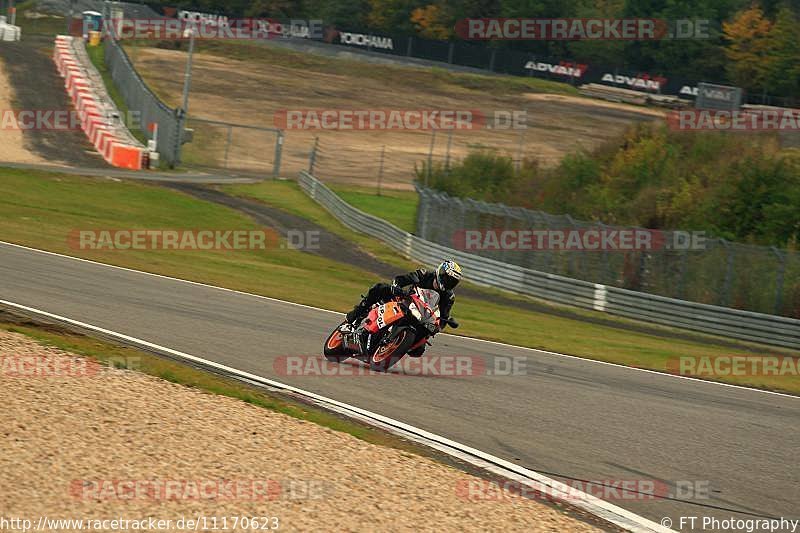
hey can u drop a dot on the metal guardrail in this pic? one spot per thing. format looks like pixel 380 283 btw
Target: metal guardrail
pixel 710 319
pixel 138 97
pixel 716 272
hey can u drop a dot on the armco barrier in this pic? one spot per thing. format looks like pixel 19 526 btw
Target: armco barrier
pixel 99 117
pixel 139 98
pixel 710 319
pixel 9 32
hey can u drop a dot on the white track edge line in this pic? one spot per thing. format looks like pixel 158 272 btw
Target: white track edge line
pixel 557 354
pixel 591 504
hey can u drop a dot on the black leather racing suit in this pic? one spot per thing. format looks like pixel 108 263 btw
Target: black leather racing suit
pixel 383 291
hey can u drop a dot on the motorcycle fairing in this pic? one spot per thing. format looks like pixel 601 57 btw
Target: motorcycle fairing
pixel 383 315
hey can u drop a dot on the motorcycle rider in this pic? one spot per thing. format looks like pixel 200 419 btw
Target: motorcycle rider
pixel 442 280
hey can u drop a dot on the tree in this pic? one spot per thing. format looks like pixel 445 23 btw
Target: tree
pixel 748 48
pixel 271 8
pixel 783 67
pixel 603 52
pixel 349 15
pixel 431 22
pixel 392 16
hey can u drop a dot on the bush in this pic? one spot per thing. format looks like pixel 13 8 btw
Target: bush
pixel 734 185
pixel 483 174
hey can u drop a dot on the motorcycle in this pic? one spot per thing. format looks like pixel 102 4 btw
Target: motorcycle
pixel 389 331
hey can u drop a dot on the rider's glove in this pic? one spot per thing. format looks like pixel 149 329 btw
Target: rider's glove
pixel 397 290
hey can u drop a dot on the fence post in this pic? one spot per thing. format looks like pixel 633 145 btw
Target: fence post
pixel 422 213
pixel 276 169
pixel 554 263
pixel 724 298
pixel 408 48
pixel 530 258
pixel 450 52
pixel 462 221
pixel 681 291
pixel 228 145
pixel 519 149
pixel 380 169
pixel 491 59
pixel 604 279
pixel 779 275
pixel 421 192
pixel 312 158
pixel 70 15
pixel 511 216
pixel 187 84
pixel 643 275
pixel 179 124
pixel 449 144
pixel 430 157
pixel 575 266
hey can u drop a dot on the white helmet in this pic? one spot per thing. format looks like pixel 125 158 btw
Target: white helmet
pixel 448 274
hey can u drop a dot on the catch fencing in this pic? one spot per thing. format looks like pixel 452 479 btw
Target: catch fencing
pixel 755 278
pixel 716 320
pixel 140 99
pixel 234 147
pixel 392 159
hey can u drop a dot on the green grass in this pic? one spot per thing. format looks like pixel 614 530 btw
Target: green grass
pixel 39 210
pixel 397 207
pixel 288 196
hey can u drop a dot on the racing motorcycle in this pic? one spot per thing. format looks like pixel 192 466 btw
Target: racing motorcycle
pixel 389 331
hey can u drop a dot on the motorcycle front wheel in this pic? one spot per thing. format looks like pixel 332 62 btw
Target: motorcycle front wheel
pixel 387 355
pixel 334 349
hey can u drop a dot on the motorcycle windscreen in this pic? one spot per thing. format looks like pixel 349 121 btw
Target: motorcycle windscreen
pixel 431 298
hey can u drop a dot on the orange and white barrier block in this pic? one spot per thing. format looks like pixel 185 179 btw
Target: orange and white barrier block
pixel 99 117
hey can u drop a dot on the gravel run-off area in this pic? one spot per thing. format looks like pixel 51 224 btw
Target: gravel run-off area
pixel 84 441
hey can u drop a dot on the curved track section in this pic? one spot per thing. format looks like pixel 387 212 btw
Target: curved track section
pixel 567 418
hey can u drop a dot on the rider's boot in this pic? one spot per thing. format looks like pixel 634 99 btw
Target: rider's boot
pixel 417 352
pixel 359 311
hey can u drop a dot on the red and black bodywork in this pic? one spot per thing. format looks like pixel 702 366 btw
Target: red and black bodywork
pixel 390 330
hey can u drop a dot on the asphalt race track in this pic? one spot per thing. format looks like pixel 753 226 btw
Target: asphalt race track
pixel 563 417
